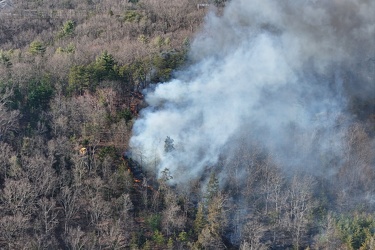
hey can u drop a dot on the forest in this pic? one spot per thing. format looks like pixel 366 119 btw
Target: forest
pixel 84 85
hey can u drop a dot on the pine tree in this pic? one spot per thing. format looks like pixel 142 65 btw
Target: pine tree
pixel 147 245
pixel 170 243
pixel 212 188
pixel 168 145
pixel 199 221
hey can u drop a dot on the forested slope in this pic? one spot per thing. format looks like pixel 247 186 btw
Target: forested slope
pixel 72 76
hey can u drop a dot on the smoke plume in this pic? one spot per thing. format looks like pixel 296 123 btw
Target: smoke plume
pixel 278 74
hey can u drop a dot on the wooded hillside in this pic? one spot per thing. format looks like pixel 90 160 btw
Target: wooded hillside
pixel 71 80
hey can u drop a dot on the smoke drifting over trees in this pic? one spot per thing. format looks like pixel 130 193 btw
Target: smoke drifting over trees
pixel 276 75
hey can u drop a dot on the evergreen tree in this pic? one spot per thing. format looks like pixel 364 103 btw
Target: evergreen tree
pixel 199 221
pixel 168 145
pixel 37 48
pixel 212 188
pixel 105 67
pixel 170 244
pixel 67 29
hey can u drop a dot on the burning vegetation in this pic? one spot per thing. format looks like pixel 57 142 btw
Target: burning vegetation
pixel 247 124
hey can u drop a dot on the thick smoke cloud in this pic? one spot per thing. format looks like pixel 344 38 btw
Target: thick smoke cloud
pixel 278 74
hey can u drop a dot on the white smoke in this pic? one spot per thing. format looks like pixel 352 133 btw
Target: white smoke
pixel 5 3
pixel 269 71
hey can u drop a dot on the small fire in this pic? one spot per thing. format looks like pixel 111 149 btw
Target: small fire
pixel 137 181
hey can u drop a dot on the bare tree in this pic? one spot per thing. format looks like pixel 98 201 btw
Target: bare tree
pixel 59 113
pixel 96 206
pixel 300 205
pixel 18 196
pixel 8 118
pixel 6 153
pixel 13 231
pixel 39 170
pixel 329 238
pixel 253 232
pixel 48 214
pixel 173 218
pixel 80 169
pixel 76 238
pixel 355 175
pixel 112 235
pixel 69 201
